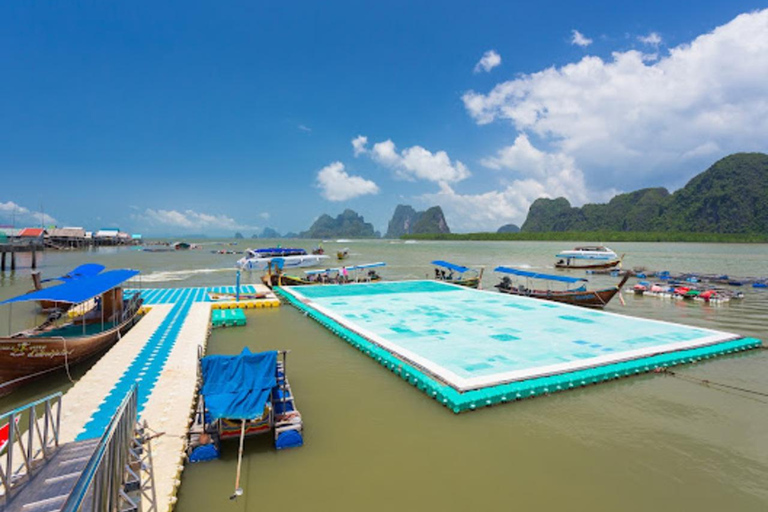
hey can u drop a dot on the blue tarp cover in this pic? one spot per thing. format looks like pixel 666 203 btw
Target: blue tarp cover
pixel 85 270
pixel 536 275
pixel 447 264
pixel 237 387
pixel 80 289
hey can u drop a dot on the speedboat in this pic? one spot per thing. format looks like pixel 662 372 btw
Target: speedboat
pixel 588 256
pixel 259 259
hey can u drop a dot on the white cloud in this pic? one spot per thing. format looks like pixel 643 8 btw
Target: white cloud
pixel 359 144
pixel 536 174
pixel 652 39
pixel 580 39
pixel 187 220
pixel 418 163
pixel 264 215
pixel 555 172
pixel 629 121
pixel 13 213
pixel 336 185
pixel 305 128
pixel 489 210
pixel 489 60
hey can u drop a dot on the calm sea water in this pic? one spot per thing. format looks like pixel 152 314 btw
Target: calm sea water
pixel 374 442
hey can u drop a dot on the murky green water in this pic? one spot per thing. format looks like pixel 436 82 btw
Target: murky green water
pixel 373 442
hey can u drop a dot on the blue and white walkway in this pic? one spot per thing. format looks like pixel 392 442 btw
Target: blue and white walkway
pixel 160 354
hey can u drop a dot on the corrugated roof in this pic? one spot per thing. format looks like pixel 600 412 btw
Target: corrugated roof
pixel 32 232
pixel 10 231
pixel 67 233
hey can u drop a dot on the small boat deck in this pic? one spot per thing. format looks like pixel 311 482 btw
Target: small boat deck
pixel 160 354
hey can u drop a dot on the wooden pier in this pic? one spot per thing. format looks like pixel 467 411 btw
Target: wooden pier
pixel 160 357
pixel 8 254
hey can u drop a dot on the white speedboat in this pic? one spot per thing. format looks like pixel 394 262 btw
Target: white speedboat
pixel 589 256
pixel 255 261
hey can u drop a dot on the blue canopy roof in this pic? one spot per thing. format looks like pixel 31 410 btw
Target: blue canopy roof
pixel 85 270
pixel 448 264
pixel 352 267
pixel 536 275
pixel 237 387
pixel 80 289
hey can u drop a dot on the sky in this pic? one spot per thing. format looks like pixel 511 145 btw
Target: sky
pixel 168 118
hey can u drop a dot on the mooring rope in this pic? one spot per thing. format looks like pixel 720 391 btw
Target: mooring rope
pixel 707 382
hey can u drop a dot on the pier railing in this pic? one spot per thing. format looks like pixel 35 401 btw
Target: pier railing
pixel 102 485
pixel 27 448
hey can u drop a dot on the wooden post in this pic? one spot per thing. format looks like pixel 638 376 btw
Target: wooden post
pixel 2 262
pixel 13 261
pixel 34 258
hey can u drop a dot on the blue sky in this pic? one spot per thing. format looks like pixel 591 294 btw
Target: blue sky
pixel 174 117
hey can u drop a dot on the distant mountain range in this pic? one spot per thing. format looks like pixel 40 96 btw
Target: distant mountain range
pixel 729 197
pixel 348 224
pixel 407 221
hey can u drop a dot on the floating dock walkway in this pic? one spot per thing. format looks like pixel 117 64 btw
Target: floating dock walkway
pixel 160 356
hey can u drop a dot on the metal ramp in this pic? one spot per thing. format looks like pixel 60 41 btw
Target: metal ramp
pixel 51 485
pixel 111 473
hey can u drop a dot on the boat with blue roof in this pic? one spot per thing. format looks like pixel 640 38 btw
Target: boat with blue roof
pixel 64 340
pixel 363 273
pixel 457 274
pixel 520 282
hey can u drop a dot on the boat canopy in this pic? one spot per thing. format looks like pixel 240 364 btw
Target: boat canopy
pixel 80 289
pixel 237 387
pixel 350 268
pixel 85 270
pixel 536 275
pixel 449 265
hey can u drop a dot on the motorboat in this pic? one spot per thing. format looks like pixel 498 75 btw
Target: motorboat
pixel 588 257
pixel 259 259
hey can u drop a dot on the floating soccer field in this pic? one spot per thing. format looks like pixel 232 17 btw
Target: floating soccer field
pixel 470 348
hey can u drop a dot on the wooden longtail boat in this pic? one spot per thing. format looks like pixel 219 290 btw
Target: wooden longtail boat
pixel 47 306
pixel 53 346
pixel 463 276
pixel 589 266
pixel 578 297
pixel 275 276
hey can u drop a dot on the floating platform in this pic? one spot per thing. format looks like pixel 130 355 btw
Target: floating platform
pixel 227 317
pixel 160 354
pixel 469 349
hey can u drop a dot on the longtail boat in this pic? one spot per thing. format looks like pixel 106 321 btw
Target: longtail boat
pixel 579 296
pixel 457 274
pixel 588 257
pixel 61 342
pixel 47 306
pixel 363 273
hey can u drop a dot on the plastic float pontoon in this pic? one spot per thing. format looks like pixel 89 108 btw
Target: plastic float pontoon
pixel 241 396
pixel 469 349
